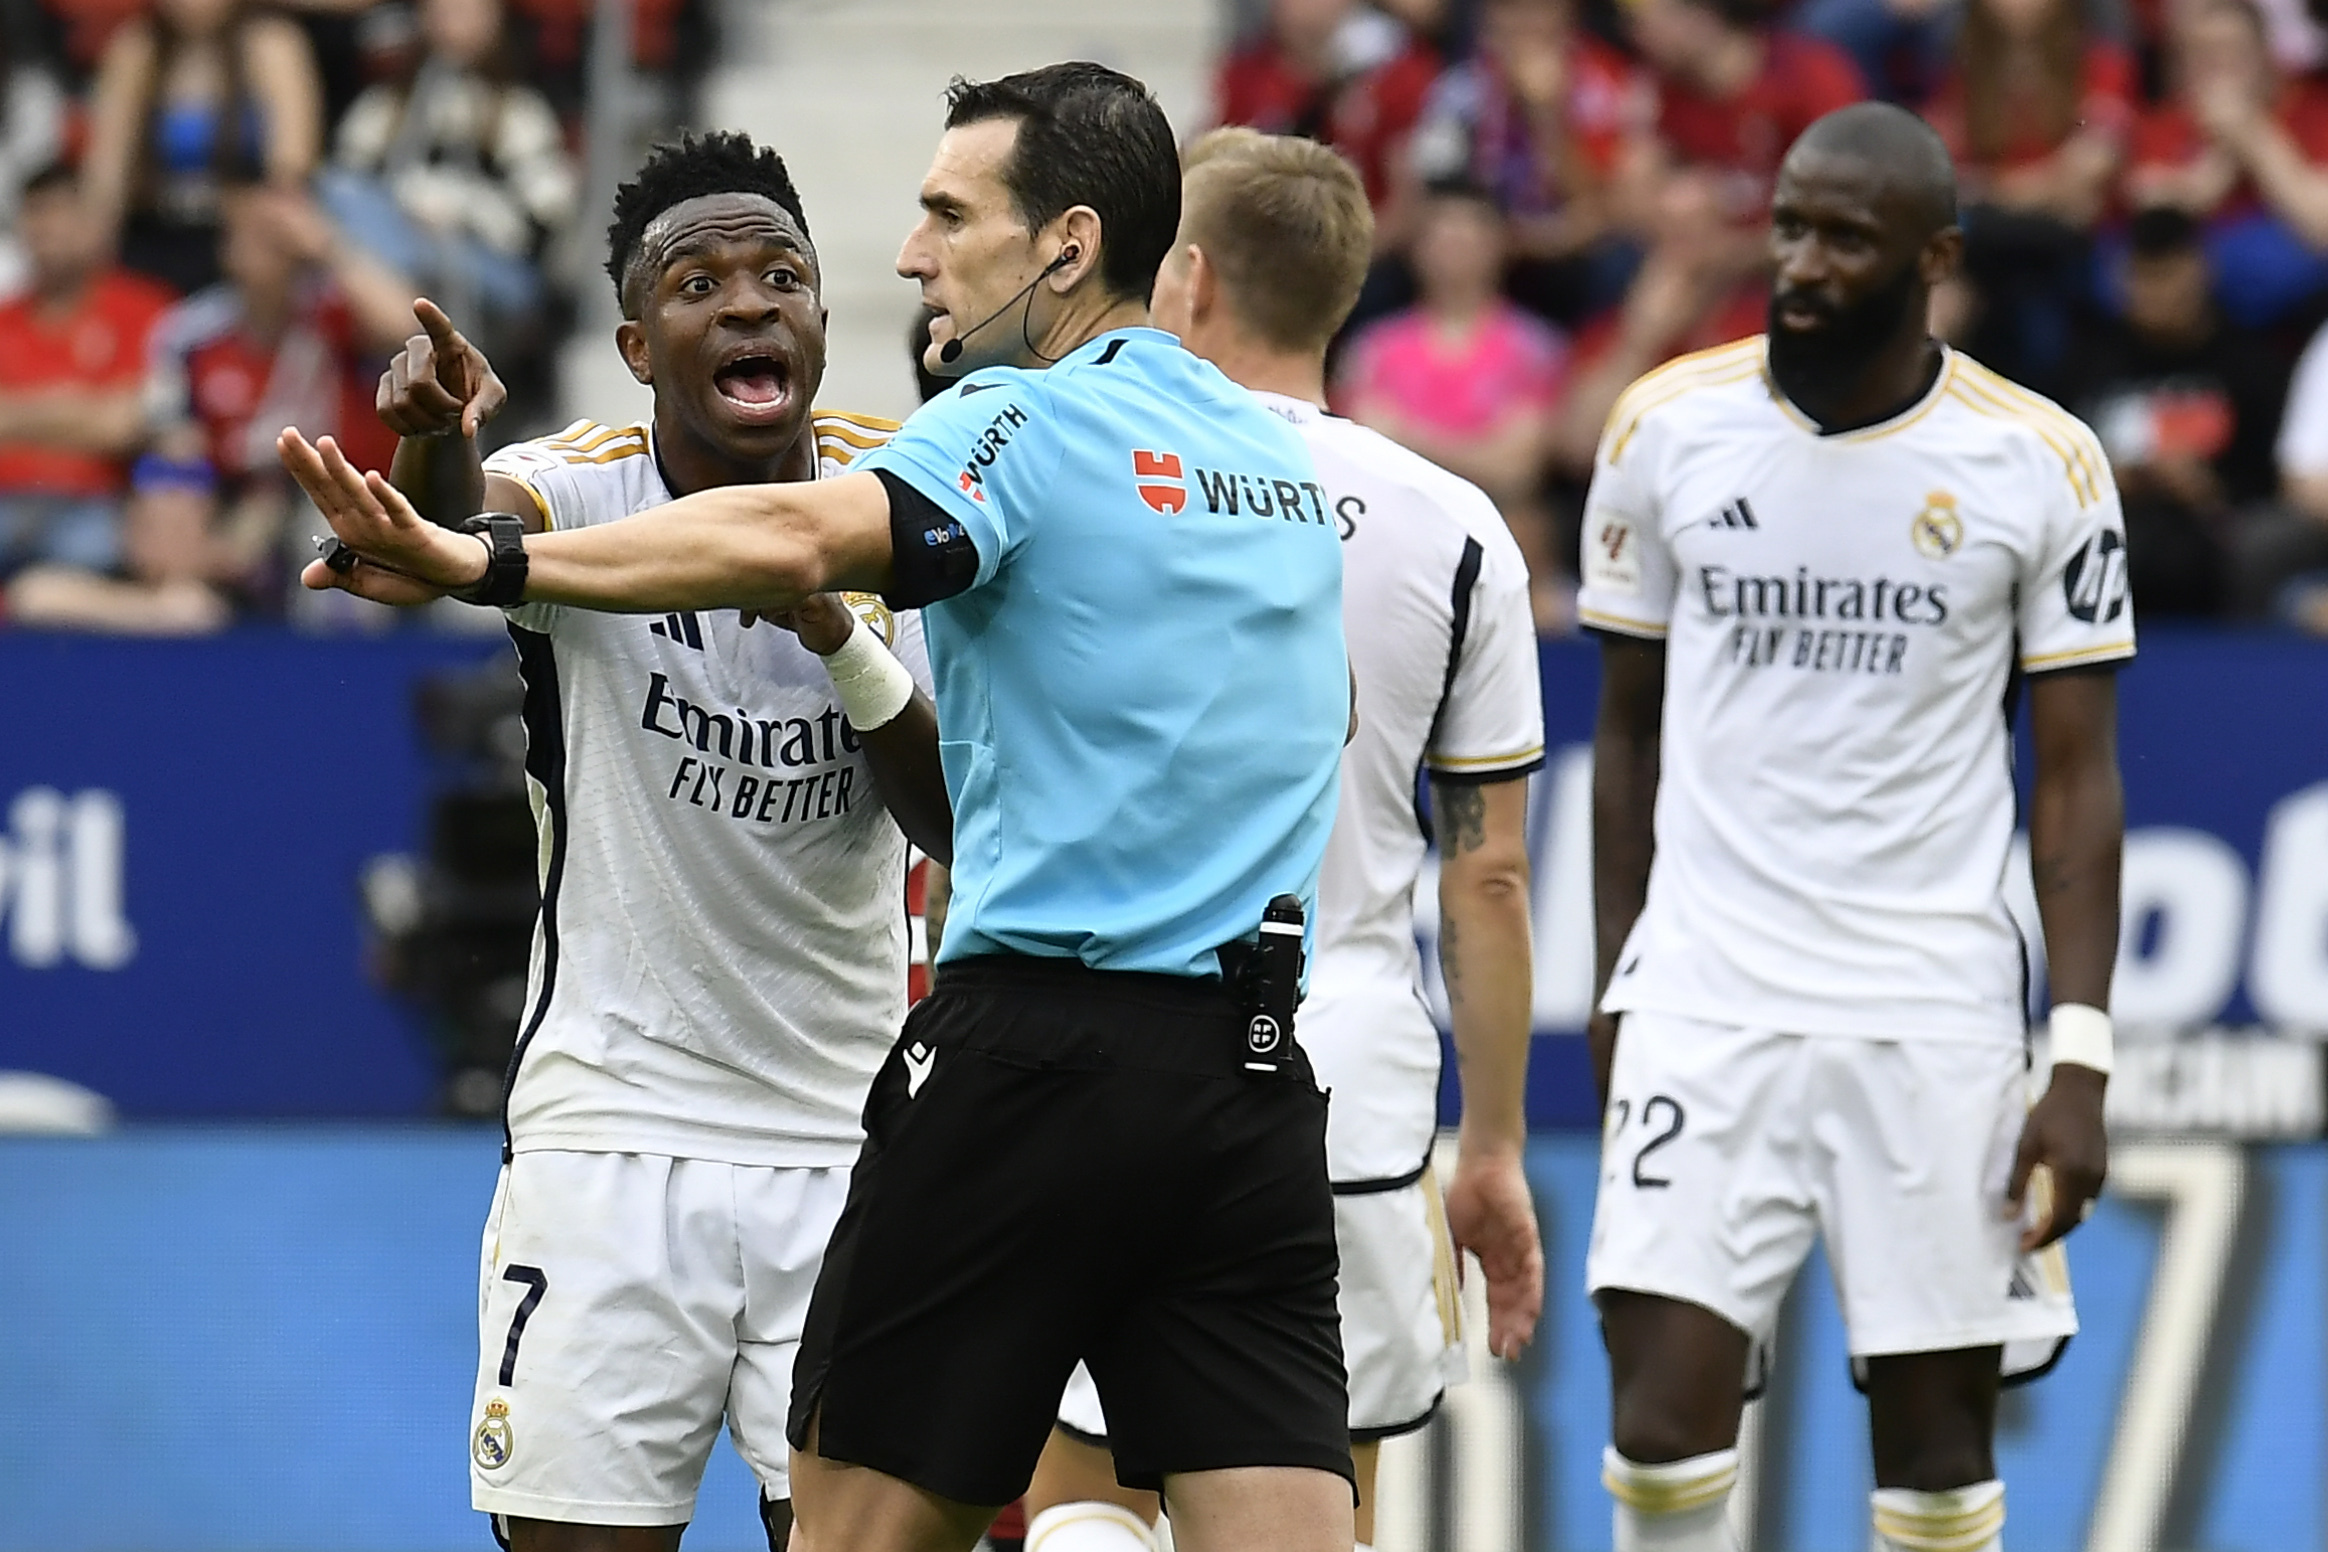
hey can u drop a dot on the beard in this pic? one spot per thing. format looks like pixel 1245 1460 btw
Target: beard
pixel 1827 359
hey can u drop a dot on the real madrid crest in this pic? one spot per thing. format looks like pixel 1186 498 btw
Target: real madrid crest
pixel 875 614
pixel 1937 531
pixel 493 1442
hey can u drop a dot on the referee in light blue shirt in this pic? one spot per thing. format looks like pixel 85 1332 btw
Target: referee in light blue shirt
pixel 1133 608
pixel 1141 706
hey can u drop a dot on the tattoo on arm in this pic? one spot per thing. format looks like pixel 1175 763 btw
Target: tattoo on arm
pixel 1462 810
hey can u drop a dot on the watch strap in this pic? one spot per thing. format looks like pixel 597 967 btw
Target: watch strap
pixel 505 567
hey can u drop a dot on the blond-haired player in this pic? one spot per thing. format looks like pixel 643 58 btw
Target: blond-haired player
pixel 1273 242
pixel 1822 564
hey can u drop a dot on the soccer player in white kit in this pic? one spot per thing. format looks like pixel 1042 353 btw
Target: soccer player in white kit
pixel 1821 565
pixel 1273 243
pixel 720 963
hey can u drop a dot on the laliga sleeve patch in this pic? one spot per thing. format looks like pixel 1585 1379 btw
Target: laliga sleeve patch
pixel 931 554
pixel 1612 557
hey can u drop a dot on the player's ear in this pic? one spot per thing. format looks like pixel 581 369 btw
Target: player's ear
pixel 1943 255
pixel 1204 285
pixel 631 339
pixel 1078 254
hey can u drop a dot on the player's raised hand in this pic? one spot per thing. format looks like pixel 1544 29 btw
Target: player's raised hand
pixel 439 384
pixel 1491 1214
pixel 2065 1137
pixel 403 559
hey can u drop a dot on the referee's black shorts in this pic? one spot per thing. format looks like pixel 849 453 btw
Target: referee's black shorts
pixel 1064 1163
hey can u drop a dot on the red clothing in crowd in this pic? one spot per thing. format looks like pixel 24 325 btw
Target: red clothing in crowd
pixel 2168 137
pixel 2105 102
pixel 99 343
pixel 1366 117
pixel 211 372
pixel 1803 78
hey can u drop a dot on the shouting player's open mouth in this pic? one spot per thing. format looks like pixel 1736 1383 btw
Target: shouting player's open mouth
pixel 756 385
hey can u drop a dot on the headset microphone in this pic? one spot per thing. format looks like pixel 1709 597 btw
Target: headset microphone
pixel 951 351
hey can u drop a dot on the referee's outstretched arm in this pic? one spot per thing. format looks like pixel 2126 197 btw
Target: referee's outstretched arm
pixel 761 547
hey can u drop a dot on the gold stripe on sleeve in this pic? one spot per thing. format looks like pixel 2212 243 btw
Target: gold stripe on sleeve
pixel 1647 629
pixel 549 522
pixel 1483 761
pixel 2115 649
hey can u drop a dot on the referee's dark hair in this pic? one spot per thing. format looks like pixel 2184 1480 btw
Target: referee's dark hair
pixel 1091 136
pixel 690 167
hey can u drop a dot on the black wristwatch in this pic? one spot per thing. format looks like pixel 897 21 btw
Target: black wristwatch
pixel 504 579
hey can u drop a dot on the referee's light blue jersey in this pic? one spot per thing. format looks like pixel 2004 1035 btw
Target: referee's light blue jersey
pixel 1143 694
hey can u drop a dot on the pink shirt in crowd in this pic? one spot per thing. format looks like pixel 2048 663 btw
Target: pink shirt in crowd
pixel 1457 387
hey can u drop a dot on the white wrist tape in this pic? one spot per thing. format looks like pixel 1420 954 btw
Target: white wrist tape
pixel 873 686
pixel 2081 1034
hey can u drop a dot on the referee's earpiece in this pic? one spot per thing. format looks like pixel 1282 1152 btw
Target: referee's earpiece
pixel 951 351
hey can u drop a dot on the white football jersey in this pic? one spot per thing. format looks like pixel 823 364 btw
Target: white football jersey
pixel 720 963
pixel 1435 605
pixel 1842 615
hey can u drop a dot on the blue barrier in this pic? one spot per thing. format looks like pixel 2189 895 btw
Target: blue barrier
pixel 263 1340
pixel 184 824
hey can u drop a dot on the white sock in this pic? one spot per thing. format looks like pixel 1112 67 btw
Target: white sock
pixel 1090 1526
pixel 1679 1507
pixel 1962 1519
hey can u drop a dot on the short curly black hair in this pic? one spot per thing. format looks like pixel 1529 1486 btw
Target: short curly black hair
pixel 720 162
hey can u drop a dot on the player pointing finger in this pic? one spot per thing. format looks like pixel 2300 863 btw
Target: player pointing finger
pixel 439 384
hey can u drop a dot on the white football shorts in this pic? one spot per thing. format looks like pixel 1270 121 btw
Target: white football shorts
pixel 1402 1316
pixel 627 1304
pixel 1725 1150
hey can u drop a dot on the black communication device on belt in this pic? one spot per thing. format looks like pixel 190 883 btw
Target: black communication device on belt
pixel 1270 987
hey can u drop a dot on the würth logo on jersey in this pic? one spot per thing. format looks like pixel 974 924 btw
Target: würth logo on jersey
pixel 1738 514
pixel 986 448
pixel 1161 481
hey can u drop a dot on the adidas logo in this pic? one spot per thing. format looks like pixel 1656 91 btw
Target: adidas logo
pixel 1736 515
pixel 681 628
pixel 2020 1287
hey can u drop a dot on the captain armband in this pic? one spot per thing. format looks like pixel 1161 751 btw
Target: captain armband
pixel 873 686
pixel 2081 1034
pixel 931 555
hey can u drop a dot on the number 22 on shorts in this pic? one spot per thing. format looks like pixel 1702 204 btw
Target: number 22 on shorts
pixel 1659 1122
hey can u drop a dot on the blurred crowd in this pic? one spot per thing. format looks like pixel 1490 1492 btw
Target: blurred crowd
pixel 1569 192
pixel 214 218
pixel 214 215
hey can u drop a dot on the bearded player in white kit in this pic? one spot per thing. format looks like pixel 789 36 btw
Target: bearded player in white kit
pixel 1274 238
pixel 720 964
pixel 1821 565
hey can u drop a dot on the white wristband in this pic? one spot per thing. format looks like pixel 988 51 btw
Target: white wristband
pixel 873 686
pixel 2081 1034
